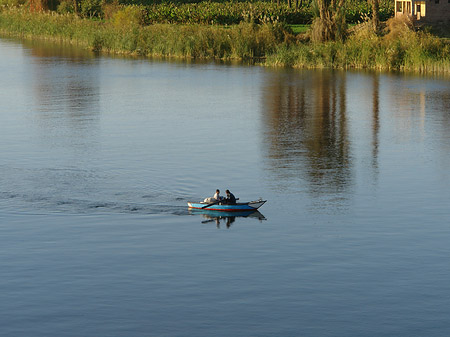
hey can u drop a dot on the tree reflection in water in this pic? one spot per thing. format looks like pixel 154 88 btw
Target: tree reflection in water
pixel 306 133
pixel 65 84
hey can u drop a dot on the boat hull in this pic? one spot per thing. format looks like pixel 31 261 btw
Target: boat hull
pixel 239 207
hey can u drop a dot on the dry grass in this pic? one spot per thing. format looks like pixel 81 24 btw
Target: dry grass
pixel 398 27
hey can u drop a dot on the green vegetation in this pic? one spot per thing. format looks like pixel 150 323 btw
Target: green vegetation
pixel 243 41
pixel 262 32
pixel 299 29
pixel 405 51
pixel 220 12
pixel 227 13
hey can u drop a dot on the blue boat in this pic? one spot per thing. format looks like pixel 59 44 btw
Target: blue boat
pixel 218 206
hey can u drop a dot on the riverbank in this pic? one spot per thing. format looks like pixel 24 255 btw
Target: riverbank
pixel 270 44
pixel 403 50
pixel 242 41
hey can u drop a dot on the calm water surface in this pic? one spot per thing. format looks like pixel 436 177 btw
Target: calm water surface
pixel 98 157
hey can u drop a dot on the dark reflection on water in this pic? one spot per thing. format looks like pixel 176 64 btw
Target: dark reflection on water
pixel 307 136
pixel 65 82
pixel 65 90
pixel 322 129
pixel 375 122
pixel 41 48
pixel 226 219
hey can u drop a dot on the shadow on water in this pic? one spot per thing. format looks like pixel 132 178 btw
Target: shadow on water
pixel 225 218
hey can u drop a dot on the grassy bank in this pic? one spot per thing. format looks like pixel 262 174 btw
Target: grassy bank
pixel 271 44
pixel 401 51
pixel 243 41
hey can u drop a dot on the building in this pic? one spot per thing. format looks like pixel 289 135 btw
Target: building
pixel 429 11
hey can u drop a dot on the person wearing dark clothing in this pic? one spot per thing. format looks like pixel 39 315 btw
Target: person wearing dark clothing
pixel 230 199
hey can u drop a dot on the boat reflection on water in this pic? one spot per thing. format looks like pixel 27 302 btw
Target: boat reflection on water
pixel 225 218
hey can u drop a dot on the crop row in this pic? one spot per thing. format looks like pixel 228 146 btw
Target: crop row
pixel 220 12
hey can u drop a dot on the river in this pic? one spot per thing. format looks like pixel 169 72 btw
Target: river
pixel 99 156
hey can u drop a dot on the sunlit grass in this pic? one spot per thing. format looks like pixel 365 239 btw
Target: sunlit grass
pixel 243 41
pixel 404 50
pixel 270 44
pixel 299 29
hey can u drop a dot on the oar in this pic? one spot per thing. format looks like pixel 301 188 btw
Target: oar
pixel 214 203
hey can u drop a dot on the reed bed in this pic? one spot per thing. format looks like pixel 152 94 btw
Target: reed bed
pixel 243 41
pixel 270 44
pixel 400 50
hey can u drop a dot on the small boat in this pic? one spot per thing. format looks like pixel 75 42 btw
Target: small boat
pixel 218 206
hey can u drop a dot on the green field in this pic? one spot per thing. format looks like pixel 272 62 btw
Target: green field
pixel 299 29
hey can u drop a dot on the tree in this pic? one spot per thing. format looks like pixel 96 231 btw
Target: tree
pixel 330 22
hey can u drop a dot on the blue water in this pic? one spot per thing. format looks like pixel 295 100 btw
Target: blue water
pixel 99 155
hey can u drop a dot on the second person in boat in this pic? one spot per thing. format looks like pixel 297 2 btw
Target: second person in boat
pixel 230 199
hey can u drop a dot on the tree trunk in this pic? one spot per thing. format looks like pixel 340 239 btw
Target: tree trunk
pixel 330 25
pixel 375 14
pixel 75 7
pixel 38 5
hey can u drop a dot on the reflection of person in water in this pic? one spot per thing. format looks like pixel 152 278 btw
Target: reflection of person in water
pixel 230 220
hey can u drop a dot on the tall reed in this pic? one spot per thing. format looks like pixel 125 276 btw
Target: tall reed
pixel 405 50
pixel 242 41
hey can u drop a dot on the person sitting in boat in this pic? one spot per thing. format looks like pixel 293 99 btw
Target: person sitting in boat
pixel 230 199
pixel 215 198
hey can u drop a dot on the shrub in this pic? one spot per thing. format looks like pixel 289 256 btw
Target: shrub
pixel 397 27
pixel 110 8
pixel 130 16
pixel 91 8
pixel 12 3
pixel 65 6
